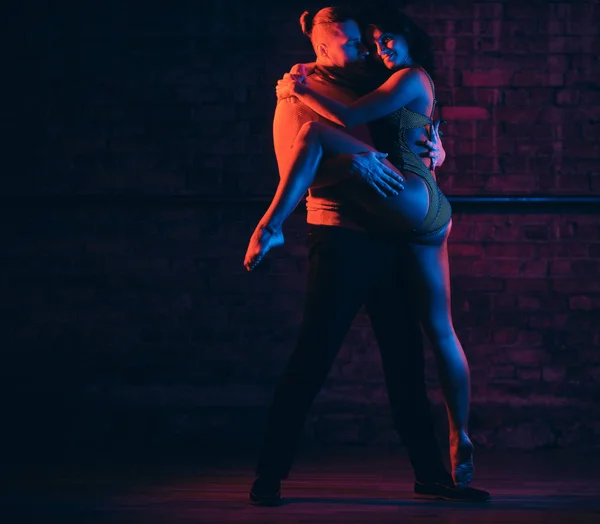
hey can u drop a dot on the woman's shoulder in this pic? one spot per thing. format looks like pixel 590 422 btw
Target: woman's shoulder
pixel 408 78
pixel 415 78
pixel 414 73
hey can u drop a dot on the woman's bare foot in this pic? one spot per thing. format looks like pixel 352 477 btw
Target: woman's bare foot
pixel 461 459
pixel 262 240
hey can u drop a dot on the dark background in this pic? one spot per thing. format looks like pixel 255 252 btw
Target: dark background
pixel 130 324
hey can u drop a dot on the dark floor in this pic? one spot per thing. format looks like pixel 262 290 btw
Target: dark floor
pixel 350 485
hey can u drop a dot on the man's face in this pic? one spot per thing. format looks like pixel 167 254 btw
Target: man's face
pixel 343 45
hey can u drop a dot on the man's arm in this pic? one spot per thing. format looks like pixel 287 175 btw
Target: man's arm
pixel 333 170
pixel 369 168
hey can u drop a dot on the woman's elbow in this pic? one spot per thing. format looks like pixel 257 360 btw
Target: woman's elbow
pixel 342 119
pixel 337 120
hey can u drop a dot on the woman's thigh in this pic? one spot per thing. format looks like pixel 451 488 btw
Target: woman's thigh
pixel 401 212
pixel 397 214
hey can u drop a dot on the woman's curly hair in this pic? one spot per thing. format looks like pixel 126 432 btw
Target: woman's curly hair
pixel 393 20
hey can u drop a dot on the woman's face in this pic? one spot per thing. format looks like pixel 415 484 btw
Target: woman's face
pixel 391 48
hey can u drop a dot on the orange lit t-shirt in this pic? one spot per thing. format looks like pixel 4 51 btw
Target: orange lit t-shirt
pixel 325 205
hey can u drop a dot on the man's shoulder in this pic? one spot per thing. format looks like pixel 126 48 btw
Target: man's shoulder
pixel 328 88
pixel 316 82
pixel 292 107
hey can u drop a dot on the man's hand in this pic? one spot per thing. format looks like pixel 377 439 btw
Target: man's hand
pixel 436 152
pixel 370 168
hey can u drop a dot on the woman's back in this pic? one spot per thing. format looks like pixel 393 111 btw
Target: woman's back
pixel 400 132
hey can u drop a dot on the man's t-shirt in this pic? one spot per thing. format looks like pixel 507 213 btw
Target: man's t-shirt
pixel 328 205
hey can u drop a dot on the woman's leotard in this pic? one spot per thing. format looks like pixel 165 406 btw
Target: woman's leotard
pixel 389 136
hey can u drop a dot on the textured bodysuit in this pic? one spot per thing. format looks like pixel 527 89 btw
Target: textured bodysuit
pixel 389 136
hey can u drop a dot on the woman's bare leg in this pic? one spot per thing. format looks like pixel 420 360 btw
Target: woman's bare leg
pixel 433 291
pixel 313 140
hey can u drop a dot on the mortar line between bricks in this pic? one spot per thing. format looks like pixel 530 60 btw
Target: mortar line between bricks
pixel 460 203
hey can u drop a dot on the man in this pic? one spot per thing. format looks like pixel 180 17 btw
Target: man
pixel 351 264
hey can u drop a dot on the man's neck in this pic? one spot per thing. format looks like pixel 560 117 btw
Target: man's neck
pixel 359 80
pixel 343 77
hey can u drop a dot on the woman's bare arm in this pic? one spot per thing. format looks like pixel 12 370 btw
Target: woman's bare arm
pixel 303 70
pixel 400 89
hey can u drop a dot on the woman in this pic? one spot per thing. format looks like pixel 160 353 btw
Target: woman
pixel 400 110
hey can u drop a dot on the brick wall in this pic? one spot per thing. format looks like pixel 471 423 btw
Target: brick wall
pixel 131 322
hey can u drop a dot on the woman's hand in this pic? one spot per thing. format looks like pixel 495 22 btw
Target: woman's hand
pixel 288 86
pixel 302 71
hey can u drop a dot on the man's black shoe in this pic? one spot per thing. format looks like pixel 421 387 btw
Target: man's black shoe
pixel 435 490
pixel 266 492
